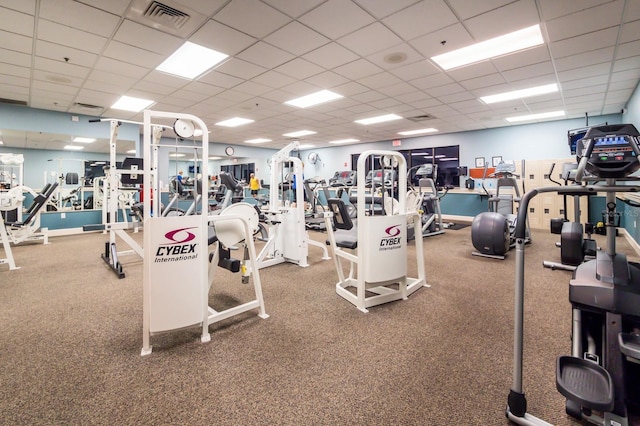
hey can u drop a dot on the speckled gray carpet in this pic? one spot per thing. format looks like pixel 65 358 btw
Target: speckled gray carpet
pixel 71 334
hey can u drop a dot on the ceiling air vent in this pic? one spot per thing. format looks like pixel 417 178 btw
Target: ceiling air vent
pixel 169 16
pixel 87 106
pixel 423 117
pixel 12 101
pixel 166 15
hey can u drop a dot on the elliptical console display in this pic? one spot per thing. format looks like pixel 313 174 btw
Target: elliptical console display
pixel 611 151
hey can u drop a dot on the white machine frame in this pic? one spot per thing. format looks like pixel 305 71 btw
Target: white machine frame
pixel 288 239
pixel 381 258
pixel 176 274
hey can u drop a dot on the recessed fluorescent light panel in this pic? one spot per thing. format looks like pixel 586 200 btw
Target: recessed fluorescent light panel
pixel 84 140
pixel 378 119
pixel 498 46
pixel 520 94
pixel 314 99
pixel 191 60
pixel 418 132
pixel 234 122
pixel 258 140
pixel 535 116
pixel 131 151
pixel 345 141
pixel 215 158
pixel 299 134
pixel 74 147
pixel 128 103
pixel 176 155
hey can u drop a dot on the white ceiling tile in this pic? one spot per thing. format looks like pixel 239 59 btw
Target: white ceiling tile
pixel 336 18
pixel 203 89
pixel 24 6
pixel 416 70
pixel 299 68
pixel 630 32
pixel 472 71
pixel 367 97
pixel 520 59
pixel 484 81
pixel 164 79
pixel 67 36
pixel 60 67
pixel 628 49
pixel 97 97
pixel 442 41
pixel 466 9
pixel 78 15
pixel 585 72
pixel 627 64
pixel 380 80
pixel 15 70
pixel 511 17
pixel 430 81
pixel 293 8
pixel 16 42
pixel 585 59
pixel 241 69
pixel 398 89
pixel 446 89
pixel 296 38
pixel 117 7
pixel 632 11
pixel 155 88
pixel 593 19
pixel 54 51
pixel 106 87
pixel 133 55
pixel 254 18
pixel 382 8
pixel 111 78
pixel 54 87
pixel 626 75
pixel 252 88
pixel 128 70
pixel 623 84
pixel 220 79
pixel 553 8
pixel 357 69
pixel 535 70
pixel 585 82
pixel 395 57
pixel 15 58
pixel 454 97
pixel 370 39
pixel 138 35
pixel 222 38
pixel 13 91
pixel 274 79
pixel 584 43
pixel 265 55
pixel 16 22
pixel 600 88
pixel 330 56
pixel 12 80
pixel 420 19
pixel 327 80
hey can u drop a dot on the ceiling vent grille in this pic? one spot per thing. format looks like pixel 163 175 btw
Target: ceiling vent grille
pixel 420 118
pixel 87 106
pixel 12 101
pixel 166 15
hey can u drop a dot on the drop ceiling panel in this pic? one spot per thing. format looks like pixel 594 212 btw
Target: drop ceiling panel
pixel 78 15
pixel 293 8
pixel 16 22
pixel 254 18
pixel 513 16
pixel 336 18
pixel 72 37
pixel 296 38
pixel 265 55
pixel 421 18
pixel 222 38
pixel 374 52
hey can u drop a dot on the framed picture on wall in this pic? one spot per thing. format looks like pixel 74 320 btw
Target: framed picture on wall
pixel 496 160
pixel 479 161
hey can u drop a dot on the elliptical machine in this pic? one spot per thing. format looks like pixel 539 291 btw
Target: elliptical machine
pixel 492 231
pixel 603 372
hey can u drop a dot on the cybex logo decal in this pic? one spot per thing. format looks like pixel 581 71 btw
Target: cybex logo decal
pixel 179 236
pixel 393 241
pixel 393 231
pixel 178 246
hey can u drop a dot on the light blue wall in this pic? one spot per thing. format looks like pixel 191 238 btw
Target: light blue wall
pixel 529 142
